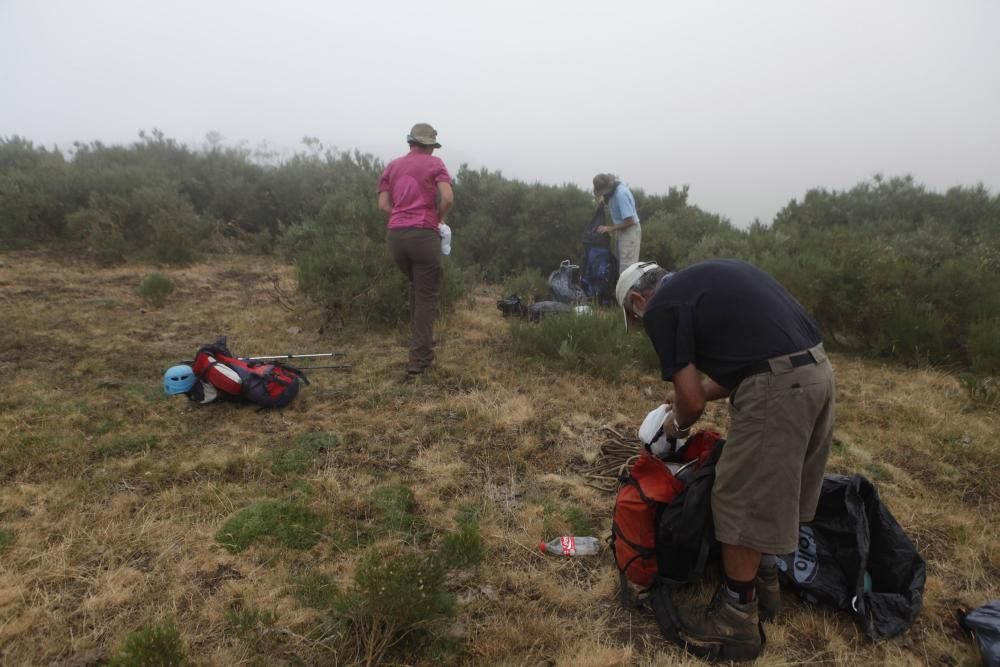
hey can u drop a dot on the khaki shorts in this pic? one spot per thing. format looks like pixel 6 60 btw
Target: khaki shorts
pixel 770 474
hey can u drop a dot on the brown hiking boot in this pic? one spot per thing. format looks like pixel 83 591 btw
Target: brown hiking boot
pixel 726 630
pixel 768 593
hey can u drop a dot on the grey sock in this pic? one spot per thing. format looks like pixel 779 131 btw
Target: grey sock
pixel 768 561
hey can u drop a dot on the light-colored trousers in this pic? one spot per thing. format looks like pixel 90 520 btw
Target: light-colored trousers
pixel 627 244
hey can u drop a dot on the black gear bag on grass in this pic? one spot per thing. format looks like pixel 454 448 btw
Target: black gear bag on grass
pixel 854 556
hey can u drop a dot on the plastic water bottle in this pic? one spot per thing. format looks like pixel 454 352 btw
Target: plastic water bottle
pixel 445 231
pixel 569 545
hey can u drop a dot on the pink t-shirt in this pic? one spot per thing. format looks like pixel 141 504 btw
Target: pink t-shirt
pixel 411 182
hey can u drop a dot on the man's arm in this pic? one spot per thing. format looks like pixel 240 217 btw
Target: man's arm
pixel 690 395
pixel 385 203
pixel 446 199
pixel 604 229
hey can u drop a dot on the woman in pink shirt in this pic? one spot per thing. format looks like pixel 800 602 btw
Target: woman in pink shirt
pixel 415 190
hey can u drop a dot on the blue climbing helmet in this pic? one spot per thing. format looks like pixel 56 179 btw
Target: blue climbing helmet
pixel 178 380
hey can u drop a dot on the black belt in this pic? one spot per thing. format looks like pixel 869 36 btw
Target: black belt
pixel 757 367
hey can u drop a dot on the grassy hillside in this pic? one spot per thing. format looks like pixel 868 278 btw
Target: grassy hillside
pixel 256 535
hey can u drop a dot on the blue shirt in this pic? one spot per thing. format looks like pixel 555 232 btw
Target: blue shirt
pixel 622 205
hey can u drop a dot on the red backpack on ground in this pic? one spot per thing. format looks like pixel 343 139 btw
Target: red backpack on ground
pixel 269 385
pixel 648 489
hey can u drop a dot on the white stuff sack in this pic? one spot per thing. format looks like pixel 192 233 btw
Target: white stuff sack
pixel 651 432
pixel 445 231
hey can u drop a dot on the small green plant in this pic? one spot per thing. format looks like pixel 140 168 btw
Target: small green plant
pixel 246 621
pixel 153 646
pixel 289 523
pixel 155 288
pixel 316 590
pixel 396 606
pixel 394 507
pixel 579 522
pixel 125 445
pixel 560 519
pixel 300 456
pixel 464 547
pixel 7 538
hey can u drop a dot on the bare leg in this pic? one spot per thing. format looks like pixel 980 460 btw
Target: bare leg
pixel 740 563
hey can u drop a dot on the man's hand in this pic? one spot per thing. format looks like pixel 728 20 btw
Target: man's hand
pixel 604 229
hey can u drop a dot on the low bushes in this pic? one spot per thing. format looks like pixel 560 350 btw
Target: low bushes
pixel 155 288
pixel 595 344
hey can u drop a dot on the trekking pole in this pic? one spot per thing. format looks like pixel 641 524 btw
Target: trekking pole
pixel 343 367
pixel 293 356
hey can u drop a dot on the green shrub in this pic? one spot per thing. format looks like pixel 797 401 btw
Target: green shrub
pixel 405 589
pixel 915 333
pixel 396 607
pixel 595 344
pixel 154 646
pixel 288 523
pixel 346 268
pixel 984 346
pixel 529 284
pixel 155 288
pixel 173 244
pixel 464 547
pixel 101 232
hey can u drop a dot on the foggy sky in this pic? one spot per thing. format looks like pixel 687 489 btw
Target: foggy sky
pixel 749 103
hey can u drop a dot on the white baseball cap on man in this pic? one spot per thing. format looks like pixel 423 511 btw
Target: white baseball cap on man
pixel 627 281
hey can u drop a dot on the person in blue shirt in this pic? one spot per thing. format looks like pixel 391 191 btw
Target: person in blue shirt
pixel 625 229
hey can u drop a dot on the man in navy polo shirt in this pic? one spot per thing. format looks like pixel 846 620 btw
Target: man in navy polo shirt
pixel 758 347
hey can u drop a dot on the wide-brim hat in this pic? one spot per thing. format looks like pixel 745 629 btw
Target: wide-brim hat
pixel 423 134
pixel 627 282
pixel 603 184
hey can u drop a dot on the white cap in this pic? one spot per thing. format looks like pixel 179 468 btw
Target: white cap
pixel 627 281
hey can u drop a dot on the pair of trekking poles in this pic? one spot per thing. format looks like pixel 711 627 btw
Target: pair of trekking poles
pixel 319 355
pixel 280 357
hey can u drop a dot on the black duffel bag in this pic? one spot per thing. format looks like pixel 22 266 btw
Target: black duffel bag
pixel 854 556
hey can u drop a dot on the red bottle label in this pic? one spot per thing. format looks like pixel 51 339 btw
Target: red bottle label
pixel 568 545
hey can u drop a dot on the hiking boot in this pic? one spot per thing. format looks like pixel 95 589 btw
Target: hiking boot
pixel 768 593
pixel 726 630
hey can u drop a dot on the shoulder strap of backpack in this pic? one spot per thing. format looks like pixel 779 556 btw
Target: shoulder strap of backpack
pixel 294 371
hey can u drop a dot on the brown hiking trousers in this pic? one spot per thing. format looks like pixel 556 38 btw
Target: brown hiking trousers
pixel 417 253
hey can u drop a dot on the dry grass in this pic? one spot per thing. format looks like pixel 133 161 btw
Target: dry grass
pixel 112 494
